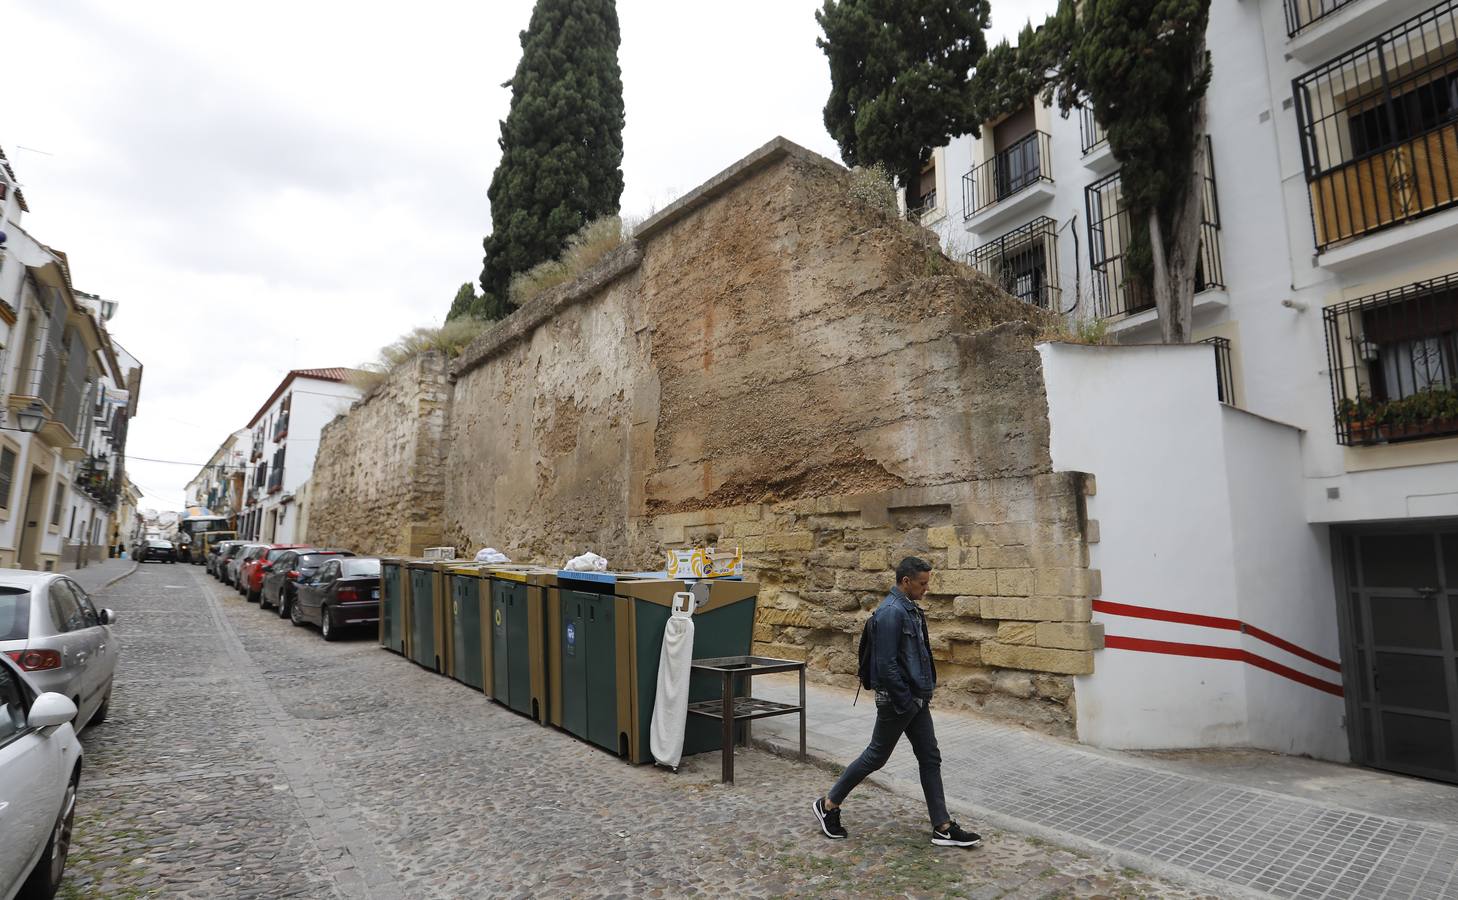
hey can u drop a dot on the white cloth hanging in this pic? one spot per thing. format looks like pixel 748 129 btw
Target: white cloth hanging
pixel 670 705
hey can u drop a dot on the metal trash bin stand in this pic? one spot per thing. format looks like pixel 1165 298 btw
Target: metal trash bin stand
pixel 732 708
pixel 516 635
pixel 468 658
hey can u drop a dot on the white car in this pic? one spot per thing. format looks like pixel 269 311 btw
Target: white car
pixel 40 766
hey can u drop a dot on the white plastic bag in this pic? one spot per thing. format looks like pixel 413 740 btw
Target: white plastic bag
pixel 491 555
pixel 675 666
pixel 587 562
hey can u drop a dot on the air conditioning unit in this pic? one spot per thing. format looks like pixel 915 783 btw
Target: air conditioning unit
pixel 440 552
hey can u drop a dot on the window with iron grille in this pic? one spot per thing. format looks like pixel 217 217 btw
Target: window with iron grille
pixel 7 476
pixel 1024 261
pixel 1022 164
pixel 1394 363
pixel 1224 373
pixel 1301 14
pixel 1379 129
pixel 1111 231
pixel 1091 132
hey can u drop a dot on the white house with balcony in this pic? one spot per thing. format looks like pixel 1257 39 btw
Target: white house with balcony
pixel 283 439
pixel 1276 518
pixel 68 397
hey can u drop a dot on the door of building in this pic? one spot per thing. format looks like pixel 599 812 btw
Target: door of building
pixel 31 526
pixel 1402 604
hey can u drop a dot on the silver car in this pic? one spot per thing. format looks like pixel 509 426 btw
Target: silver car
pixel 63 643
pixel 239 557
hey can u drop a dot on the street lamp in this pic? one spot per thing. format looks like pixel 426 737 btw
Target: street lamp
pixel 31 418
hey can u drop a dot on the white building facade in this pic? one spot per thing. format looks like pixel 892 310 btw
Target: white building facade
pixel 1277 511
pixel 283 439
pixel 61 482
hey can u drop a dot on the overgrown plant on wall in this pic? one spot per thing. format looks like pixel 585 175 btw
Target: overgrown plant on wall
pixel 561 143
pixel 1143 67
pixel 899 77
pixel 449 340
pixel 584 250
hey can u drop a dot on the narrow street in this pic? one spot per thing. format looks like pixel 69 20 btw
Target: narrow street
pixel 248 758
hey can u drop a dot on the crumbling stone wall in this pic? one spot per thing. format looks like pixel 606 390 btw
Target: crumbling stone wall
pixel 773 366
pixel 378 481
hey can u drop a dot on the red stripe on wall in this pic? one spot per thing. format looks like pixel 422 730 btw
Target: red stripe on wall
pixel 1184 618
pixel 1204 651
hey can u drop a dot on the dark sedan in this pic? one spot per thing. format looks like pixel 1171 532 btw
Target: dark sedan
pixel 219 555
pixel 344 593
pixel 162 551
pixel 281 581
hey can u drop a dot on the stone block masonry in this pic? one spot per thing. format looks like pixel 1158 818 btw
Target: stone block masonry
pixel 823 566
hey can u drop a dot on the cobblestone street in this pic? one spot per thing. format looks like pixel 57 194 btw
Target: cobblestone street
pixel 246 757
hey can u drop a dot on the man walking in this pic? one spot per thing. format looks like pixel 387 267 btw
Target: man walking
pixel 903 676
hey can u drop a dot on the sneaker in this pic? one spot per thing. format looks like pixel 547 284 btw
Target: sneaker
pixel 954 836
pixel 829 820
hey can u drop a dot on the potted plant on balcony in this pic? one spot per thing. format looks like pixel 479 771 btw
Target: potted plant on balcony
pixel 1359 415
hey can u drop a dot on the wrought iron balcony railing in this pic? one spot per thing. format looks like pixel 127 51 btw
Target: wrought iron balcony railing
pixel 1112 232
pixel 1379 129
pixel 1090 132
pixel 1020 166
pixel 1301 14
pixel 1394 363
pixel 1024 261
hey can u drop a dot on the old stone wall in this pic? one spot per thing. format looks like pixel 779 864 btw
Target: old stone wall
pixel 378 481
pixel 770 365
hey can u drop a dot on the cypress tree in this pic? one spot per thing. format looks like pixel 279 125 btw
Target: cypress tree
pixel 899 77
pixel 465 302
pixel 561 143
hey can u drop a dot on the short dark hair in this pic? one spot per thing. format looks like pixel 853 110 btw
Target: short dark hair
pixel 910 567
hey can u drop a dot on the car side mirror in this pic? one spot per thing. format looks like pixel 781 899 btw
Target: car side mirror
pixel 108 617
pixel 51 709
pixel 267 567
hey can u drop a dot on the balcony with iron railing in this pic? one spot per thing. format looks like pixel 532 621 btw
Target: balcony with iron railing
pixel 1098 156
pixel 1112 233
pixel 1378 127
pixel 1008 185
pixel 1024 262
pixel 1393 359
pixel 275 480
pixel 1302 14
pixel 281 427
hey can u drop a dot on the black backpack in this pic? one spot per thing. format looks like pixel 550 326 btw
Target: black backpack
pixel 865 670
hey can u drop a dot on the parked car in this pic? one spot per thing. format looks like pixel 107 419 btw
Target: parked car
pixel 160 550
pixel 40 767
pixel 286 571
pixel 206 544
pixel 218 556
pixel 344 593
pixel 51 630
pixel 254 569
pixel 236 561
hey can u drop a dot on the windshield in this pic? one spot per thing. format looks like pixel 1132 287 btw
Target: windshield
pixel 14 614
pixel 360 567
pixel 198 526
pixel 275 554
pixel 311 561
pixel 159 543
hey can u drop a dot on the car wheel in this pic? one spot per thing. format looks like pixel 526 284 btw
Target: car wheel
pixel 263 600
pixel 45 879
pixel 103 710
pixel 284 606
pixel 253 597
pixel 326 631
pixel 294 614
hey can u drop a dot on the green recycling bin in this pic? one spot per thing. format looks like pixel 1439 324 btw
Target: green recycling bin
pixel 607 634
pixel 518 637
pixel 393 604
pixel 428 622
pixel 468 614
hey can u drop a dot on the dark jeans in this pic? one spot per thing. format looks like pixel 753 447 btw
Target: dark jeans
pixel 916 724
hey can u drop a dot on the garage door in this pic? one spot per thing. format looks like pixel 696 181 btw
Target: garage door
pixel 1403 601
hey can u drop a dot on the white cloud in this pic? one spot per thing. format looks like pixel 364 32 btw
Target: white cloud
pixel 276 184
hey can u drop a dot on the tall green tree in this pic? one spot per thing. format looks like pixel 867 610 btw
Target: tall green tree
pixel 1143 67
pixel 899 77
pixel 465 302
pixel 561 143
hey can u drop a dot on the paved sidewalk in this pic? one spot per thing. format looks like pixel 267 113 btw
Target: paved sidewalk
pixel 1168 818
pixel 98 575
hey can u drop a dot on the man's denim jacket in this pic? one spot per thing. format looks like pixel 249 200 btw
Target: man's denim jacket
pixel 902 652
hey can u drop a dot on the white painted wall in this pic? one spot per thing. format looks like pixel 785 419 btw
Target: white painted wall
pixel 1200 511
pixel 315 402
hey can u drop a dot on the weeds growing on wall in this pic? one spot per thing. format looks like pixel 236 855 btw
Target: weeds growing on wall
pixel 585 249
pixel 449 340
pixel 871 187
pixel 1078 331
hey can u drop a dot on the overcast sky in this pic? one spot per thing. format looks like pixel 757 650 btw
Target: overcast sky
pixel 278 185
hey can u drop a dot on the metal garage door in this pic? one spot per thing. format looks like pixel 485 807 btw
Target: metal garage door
pixel 1402 593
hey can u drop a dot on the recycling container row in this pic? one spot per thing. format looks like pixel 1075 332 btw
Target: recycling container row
pixel 577 650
